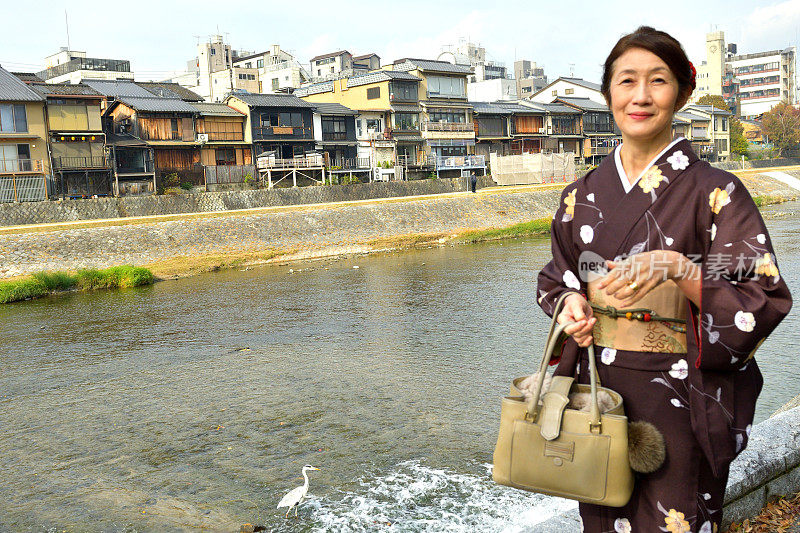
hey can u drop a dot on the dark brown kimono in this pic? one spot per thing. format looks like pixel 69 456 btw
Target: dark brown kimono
pixel 702 401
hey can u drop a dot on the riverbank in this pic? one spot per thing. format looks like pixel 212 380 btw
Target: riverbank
pixel 179 245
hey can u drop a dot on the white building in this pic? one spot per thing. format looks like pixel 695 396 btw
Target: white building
pixel 212 73
pixel 757 82
pixel 473 55
pixel 572 87
pixel 71 66
pixel 492 90
pixel 278 71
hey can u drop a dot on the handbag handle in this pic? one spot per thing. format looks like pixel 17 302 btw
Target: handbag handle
pixel 554 333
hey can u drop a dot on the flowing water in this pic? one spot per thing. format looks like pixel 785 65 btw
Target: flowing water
pixel 195 403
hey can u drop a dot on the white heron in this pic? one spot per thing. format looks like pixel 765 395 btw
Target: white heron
pixel 296 496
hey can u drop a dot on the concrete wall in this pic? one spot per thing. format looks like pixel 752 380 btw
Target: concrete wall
pixel 102 208
pixel 295 233
pixel 755 163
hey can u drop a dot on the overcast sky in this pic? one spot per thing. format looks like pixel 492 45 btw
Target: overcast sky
pixel 158 37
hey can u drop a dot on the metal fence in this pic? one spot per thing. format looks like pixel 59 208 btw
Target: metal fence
pixel 22 189
pixel 229 173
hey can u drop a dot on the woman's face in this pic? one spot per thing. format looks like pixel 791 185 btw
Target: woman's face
pixel 644 93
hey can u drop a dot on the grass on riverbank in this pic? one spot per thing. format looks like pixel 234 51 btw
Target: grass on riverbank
pixel 762 200
pixel 539 226
pixel 43 283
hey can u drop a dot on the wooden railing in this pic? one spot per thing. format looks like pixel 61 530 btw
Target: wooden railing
pixel 448 126
pixel 78 162
pixel 19 166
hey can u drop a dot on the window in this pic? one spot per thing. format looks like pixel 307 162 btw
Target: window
pixel 225 156
pixel 373 124
pixel 332 70
pixel 275 84
pixel 15 157
pixel 406 92
pixel 260 63
pixel 373 93
pixel 450 151
pixel 406 121
pixel 359 127
pixel 290 119
pixel 526 89
pixel 555 92
pixel 213 52
pixel 446 87
pixel 447 116
pixel 569 91
pixel 175 128
pixel 491 126
pixel 334 129
pixel 13 118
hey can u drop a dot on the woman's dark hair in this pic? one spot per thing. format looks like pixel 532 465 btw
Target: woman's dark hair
pixel 660 43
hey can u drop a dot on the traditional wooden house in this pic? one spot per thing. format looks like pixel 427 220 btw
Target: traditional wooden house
pixel 166 125
pixel 335 133
pixel 281 124
pixel 600 134
pixel 81 167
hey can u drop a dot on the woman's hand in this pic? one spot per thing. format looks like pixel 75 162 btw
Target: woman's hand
pixel 577 309
pixel 630 280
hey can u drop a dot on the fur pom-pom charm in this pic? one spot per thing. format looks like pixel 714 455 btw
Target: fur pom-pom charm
pixel 646 448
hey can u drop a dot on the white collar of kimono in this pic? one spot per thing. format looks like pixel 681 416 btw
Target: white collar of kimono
pixel 627 185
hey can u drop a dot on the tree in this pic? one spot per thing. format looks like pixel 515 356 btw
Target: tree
pixel 782 126
pixel 739 144
pixel 714 100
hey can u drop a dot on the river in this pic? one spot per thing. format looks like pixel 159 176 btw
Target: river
pixel 195 403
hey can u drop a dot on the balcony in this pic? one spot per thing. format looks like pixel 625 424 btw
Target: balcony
pixel 270 162
pixel 461 161
pixel 448 126
pixel 335 136
pixel 80 163
pixel 292 132
pixel 21 166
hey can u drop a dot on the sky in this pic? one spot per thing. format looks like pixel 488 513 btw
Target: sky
pixel 567 38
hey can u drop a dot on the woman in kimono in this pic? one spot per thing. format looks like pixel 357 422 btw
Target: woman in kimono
pixel 653 227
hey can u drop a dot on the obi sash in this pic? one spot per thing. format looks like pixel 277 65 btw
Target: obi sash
pixel 620 333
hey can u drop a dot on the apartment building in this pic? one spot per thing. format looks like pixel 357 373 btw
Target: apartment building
pixel 72 66
pixel 755 82
pixel 529 78
pixel 277 71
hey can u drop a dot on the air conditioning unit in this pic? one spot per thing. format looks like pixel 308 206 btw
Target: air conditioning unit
pixel 202 137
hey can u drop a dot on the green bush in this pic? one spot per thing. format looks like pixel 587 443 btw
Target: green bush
pixel 186 186
pixel 120 276
pixel 15 291
pixel 55 281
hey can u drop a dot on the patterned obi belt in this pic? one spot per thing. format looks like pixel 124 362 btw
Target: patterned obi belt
pixel 641 330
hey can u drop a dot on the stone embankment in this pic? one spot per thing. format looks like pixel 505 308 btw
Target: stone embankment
pixel 257 234
pixel 296 232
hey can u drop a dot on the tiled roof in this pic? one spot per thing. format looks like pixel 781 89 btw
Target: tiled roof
pixel 584 103
pixel 271 100
pixel 582 83
pixel 28 77
pixel 379 75
pixel 13 89
pixel 488 108
pixel 430 65
pixel 365 56
pixel 333 109
pixel 558 108
pixel 707 109
pixel 688 115
pixel 170 90
pixel 317 88
pixel 332 54
pixel 63 89
pixel 215 109
pixel 116 88
pixel 153 104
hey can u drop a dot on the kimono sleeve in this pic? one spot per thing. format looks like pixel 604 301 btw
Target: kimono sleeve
pixel 743 297
pixel 560 274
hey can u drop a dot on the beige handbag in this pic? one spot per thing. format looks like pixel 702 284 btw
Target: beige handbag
pixel 563 452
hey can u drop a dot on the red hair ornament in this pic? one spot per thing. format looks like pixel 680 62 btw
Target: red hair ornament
pixel 693 77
